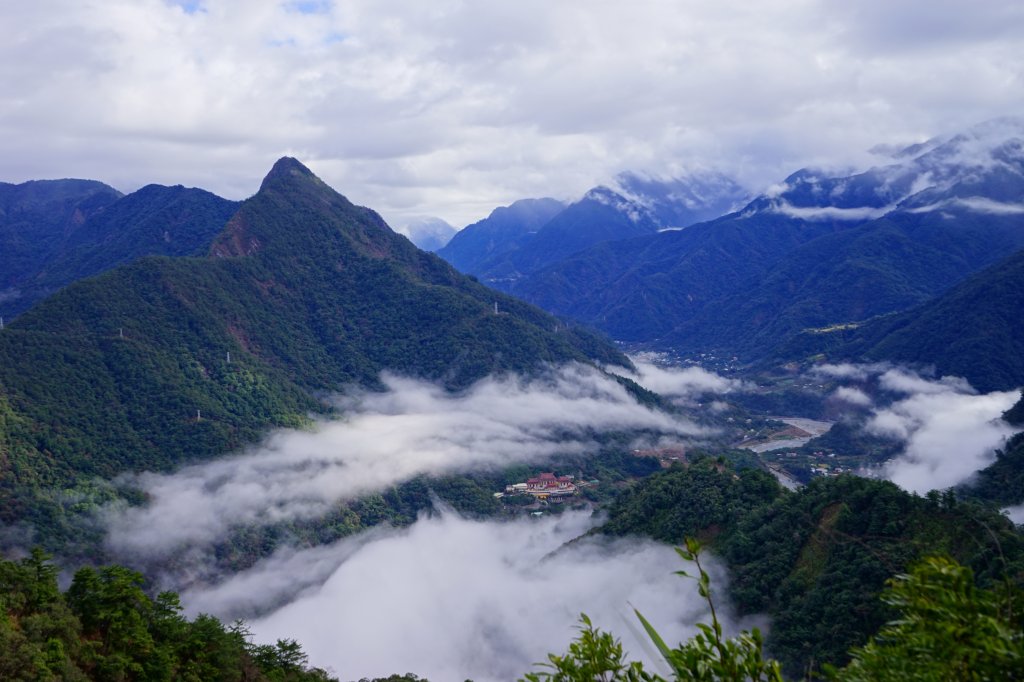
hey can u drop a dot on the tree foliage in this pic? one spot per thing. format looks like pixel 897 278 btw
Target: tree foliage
pixel 943 628
pixel 106 627
pixel 816 560
pixel 946 629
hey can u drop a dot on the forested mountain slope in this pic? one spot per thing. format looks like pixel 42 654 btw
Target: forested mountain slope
pixel 816 559
pixel 501 232
pixel 818 250
pixel 103 230
pixel 35 217
pixel 975 330
pixel 167 360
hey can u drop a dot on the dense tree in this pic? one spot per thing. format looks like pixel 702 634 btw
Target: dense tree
pixel 106 627
pixel 943 628
pixel 816 560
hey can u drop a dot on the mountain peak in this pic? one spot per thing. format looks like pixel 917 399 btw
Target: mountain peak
pixel 285 169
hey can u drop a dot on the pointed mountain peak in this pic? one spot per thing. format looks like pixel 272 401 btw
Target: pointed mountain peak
pixel 286 170
pixel 295 213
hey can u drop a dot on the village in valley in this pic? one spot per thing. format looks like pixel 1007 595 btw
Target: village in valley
pixel 546 487
pixel 549 488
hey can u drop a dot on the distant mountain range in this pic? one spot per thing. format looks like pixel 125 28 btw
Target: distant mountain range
pixel 488 242
pixel 54 232
pixel 300 292
pixel 974 330
pixel 529 235
pixel 429 234
pixel 816 252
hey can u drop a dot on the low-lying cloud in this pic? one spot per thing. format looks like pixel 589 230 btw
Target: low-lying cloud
pixel 847 370
pixel 445 598
pixel 681 384
pixel 948 430
pixel 852 396
pixel 977 204
pixel 410 429
pixel 830 212
pixel 451 599
pixel 910 383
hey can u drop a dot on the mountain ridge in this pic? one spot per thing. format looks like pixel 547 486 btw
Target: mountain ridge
pixel 815 251
pixel 167 360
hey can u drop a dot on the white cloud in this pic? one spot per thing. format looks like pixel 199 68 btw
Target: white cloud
pixel 979 204
pixel 829 212
pixel 451 599
pixel 947 429
pixel 1015 514
pixel 904 381
pixel 846 370
pixel 452 108
pixel 853 396
pixel 385 438
pixel 677 382
pixel 949 435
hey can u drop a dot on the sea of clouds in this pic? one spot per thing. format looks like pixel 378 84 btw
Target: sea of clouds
pixel 388 437
pixel 947 430
pixel 447 597
pixel 451 598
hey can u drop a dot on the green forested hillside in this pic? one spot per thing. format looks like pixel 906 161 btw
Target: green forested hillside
pixel 816 559
pixel 975 330
pixel 1002 482
pixel 498 234
pixel 640 289
pixel 77 228
pixel 153 221
pixel 35 217
pixel 886 265
pixel 167 360
pixel 105 627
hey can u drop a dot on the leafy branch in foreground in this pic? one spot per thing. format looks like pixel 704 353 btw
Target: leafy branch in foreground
pixel 597 655
pixel 946 628
pixel 708 655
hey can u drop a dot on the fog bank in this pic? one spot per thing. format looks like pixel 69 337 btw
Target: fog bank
pixel 948 431
pixel 385 438
pixel 451 599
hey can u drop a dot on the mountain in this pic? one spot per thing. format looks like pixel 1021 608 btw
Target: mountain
pixel 514 245
pixel 429 234
pixel 112 230
pixel 35 217
pixel 816 251
pixel 890 264
pixel 814 560
pixel 639 290
pixel 975 330
pixel 1002 482
pixel 500 232
pixel 682 201
pixel 601 215
pixel 166 360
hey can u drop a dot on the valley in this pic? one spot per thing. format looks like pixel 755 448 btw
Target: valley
pixel 281 410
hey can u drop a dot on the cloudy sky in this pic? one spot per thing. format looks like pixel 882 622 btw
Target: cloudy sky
pixel 451 107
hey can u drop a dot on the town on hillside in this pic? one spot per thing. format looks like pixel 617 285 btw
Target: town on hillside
pixel 546 487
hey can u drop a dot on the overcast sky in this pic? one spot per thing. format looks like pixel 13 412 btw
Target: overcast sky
pixel 452 107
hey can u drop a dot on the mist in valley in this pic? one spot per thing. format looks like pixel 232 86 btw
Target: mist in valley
pixel 449 597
